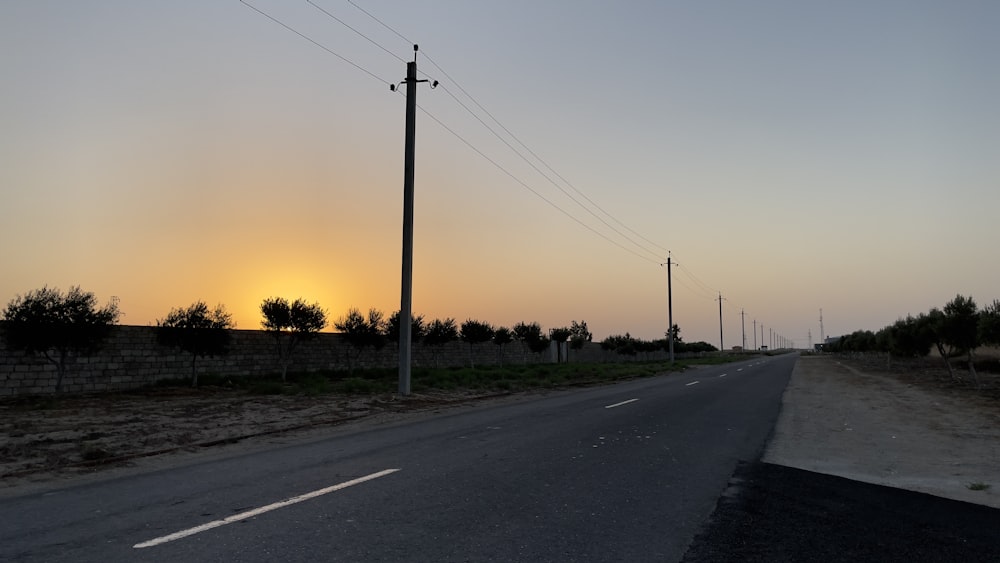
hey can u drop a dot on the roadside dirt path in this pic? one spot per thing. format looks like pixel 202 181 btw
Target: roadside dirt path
pixel 52 440
pixel 889 429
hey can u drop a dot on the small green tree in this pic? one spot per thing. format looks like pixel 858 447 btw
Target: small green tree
pixel 560 336
pixel 621 345
pixel 502 336
pixel 962 329
pixel 439 333
pixel 58 326
pixel 198 331
pixel 475 332
pixel 674 331
pixel 362 332
pixel 290 325
pixel 417 328
pixel 539 344
pixel 934 324
pixel 579 334
pixel 989 324
pixel 531 337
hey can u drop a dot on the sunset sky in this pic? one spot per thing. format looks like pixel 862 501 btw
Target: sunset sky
pixel 791 155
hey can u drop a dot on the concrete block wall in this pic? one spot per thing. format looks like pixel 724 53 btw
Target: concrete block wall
pixel 132 358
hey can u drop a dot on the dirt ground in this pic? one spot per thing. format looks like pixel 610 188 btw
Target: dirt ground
pixel 911 428
pixel 49 440
pixel 907 429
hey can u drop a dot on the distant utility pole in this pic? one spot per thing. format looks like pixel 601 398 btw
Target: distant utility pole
pixel 755 334
pixel 721 347
pixel 770 337
pixel 761 335
pixel 743 328
pixel 670 313
pixel 406 299
pixel 822 339
pixel 810 339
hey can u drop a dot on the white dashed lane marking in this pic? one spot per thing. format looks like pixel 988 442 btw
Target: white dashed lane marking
pixel 621 403
pixel 257 511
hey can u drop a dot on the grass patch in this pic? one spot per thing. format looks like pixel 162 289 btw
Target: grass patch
pixel 978 486
pixel 509 378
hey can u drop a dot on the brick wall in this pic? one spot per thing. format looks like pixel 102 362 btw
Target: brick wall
pixel 131 358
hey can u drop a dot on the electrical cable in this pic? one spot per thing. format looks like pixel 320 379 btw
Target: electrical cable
pixel 522 144
pixel 530 189
pixel 314 42
pixel 345 24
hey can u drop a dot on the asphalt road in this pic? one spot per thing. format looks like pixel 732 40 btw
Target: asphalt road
pixel 777 513
pixel 628 472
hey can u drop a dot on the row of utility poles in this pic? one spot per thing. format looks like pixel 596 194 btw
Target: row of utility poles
pixel 777 341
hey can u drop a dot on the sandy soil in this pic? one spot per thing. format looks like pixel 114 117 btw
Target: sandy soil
pixel 47 441
pixel 903 429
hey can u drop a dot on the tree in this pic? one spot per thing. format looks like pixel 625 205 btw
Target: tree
pixel 910 337
pixel 560 336
pixel 675 331
pixel 579 335
pixel 502 336
pixel 475 332
pixel 198 331
pixel 530 336
pixel 439 333
pixel 961 330
pixel 291 324
pixel 934 323
pixel 989 324
pixel 417 328
pixel 539 344
pixel 57 326
pixel 698 347
pixel 362 332
pixel 622 345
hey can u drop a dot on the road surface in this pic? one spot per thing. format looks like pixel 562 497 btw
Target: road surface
pixel 627 472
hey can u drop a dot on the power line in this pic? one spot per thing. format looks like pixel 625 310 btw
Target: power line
pixel 543 174
pixel 385 25
pixel 529 188
pixel 522 144
pixel 450 130
pixel 314 42
pixel 345 24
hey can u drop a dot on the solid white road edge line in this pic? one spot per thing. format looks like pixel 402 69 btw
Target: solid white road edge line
pixel 621 403
pixel 261 510
pixel 690 384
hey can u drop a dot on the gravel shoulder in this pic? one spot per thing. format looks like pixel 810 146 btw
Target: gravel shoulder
pixel 898 429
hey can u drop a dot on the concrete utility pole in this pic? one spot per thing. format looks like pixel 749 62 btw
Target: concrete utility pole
pixel 822 340
pixel 670 313
pixel 406 299
pixel 761 335
pixel 743 328
pixel 721 347
pixel 755 334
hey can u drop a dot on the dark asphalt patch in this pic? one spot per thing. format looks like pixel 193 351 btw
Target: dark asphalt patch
pixel 776 513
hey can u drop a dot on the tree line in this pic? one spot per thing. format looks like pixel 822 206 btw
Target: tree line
pixel 956 330
pixel 58 326
pixel 627 345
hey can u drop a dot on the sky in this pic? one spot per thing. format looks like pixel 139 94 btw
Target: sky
pixel 791 156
